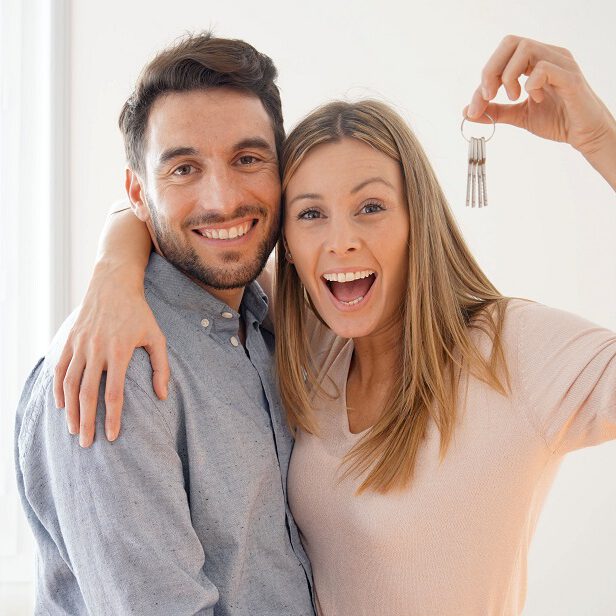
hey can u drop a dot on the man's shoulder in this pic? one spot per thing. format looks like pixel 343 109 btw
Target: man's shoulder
pixel 36 411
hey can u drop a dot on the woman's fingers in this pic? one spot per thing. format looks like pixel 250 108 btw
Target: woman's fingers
pixel 88 400
pixel 60 372
pixel 71 385
pixel 514 57
pixel 548 73
pixel 114 391
pixel 157 350
pixel 501 114
pixel 477 108
pixel 527 56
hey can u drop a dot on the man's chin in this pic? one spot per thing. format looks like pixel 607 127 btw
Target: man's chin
pixel 225 277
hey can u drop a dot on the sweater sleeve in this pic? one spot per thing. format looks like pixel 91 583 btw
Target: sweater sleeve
pixel 567 373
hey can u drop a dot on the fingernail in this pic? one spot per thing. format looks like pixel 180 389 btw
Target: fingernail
pixel 473 110
pixel 112 434
pixel 82 441
pixel 485 94
pixel 72 430
pixel 165 392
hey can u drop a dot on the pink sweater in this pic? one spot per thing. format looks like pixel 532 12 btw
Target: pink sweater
pixel 455 543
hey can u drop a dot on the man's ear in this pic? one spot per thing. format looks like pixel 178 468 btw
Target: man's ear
pixel 135 190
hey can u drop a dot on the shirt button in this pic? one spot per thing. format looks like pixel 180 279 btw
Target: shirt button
pixel 234 341
pixel 205 323
pixel 226 315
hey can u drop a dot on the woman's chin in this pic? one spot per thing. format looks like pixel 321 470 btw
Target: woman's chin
pixel 350 326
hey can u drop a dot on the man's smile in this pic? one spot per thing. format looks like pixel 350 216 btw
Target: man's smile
pixel 229 231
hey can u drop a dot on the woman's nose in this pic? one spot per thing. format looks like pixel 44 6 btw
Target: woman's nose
pixel 342 238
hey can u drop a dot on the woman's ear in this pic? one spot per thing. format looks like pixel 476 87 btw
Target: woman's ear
pixel 135 190
pixel 287 254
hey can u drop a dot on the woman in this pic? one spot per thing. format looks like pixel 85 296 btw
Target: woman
pixel 431 412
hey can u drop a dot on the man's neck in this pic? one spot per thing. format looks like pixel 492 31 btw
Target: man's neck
pixel 231 297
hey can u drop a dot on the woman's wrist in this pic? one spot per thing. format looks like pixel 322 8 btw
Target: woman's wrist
pixel 601 154
pixel 123 274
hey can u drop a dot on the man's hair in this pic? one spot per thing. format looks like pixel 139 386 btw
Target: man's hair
pixel 199 62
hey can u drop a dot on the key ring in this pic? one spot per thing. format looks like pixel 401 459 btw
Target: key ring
pixel 489 117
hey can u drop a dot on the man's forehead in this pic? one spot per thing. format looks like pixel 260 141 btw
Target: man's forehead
pixel 218 116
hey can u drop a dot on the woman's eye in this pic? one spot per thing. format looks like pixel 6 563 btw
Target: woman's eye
pixel 183 170
pixel 309 215
pixel 372 208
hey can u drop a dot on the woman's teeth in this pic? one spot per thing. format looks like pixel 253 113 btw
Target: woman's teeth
pixel 353 302
pixel 347 276
pixel 227 234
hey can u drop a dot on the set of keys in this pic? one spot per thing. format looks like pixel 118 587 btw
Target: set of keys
pixel 476 187
pixel 476 190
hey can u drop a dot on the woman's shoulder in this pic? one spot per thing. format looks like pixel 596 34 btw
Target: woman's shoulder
pixel 530 333
pixel 538 324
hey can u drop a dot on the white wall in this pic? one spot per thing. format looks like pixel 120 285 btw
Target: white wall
pixel 548 233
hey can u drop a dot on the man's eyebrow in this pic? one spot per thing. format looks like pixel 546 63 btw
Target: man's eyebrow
pixel 370 181
pixel 258 143
pixel 172 153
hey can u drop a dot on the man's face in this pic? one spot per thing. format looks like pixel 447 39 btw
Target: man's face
pixel 211 192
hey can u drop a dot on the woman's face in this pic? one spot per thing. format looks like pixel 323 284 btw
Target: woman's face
pixel 347 228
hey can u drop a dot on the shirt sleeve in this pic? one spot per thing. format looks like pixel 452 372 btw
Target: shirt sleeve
pixel 117 514
pixel 567 370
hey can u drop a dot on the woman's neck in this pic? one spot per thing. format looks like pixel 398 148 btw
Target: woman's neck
pixel 372 375
pixel 376 357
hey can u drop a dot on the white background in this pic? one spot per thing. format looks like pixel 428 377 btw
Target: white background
pixel 548 233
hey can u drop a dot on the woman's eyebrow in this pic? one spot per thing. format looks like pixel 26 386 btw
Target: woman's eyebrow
pixel 314 196
pixel 370 181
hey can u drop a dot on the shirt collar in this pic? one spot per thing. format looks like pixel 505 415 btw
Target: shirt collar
pixel 178 290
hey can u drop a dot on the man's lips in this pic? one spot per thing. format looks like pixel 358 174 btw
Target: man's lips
pixel 228 232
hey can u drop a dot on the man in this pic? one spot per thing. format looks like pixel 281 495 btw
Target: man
pixel 186 513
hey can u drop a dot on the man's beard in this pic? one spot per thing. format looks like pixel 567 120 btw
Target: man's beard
pixel 182 255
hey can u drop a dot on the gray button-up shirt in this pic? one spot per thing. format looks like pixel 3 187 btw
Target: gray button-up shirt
pixel 186 512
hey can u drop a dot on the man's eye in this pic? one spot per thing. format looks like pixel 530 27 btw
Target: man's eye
pixel 247 159
pixel 183 170
pixel 309 214
pixel 372 208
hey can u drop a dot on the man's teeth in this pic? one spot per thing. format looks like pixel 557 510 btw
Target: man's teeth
pixel 227 234
pixel 348 276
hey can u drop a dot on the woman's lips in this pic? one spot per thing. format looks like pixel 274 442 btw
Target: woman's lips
pixel 351 295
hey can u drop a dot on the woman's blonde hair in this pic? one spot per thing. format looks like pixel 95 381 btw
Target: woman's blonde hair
pixel 446 294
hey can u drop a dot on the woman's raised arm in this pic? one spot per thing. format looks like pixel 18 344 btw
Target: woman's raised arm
pixel 561 105
pixel 113 320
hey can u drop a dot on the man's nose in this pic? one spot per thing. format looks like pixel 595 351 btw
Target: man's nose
pixel 342 237
pixel 220 191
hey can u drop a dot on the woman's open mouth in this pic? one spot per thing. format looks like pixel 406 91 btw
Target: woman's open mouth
pixel 349 290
